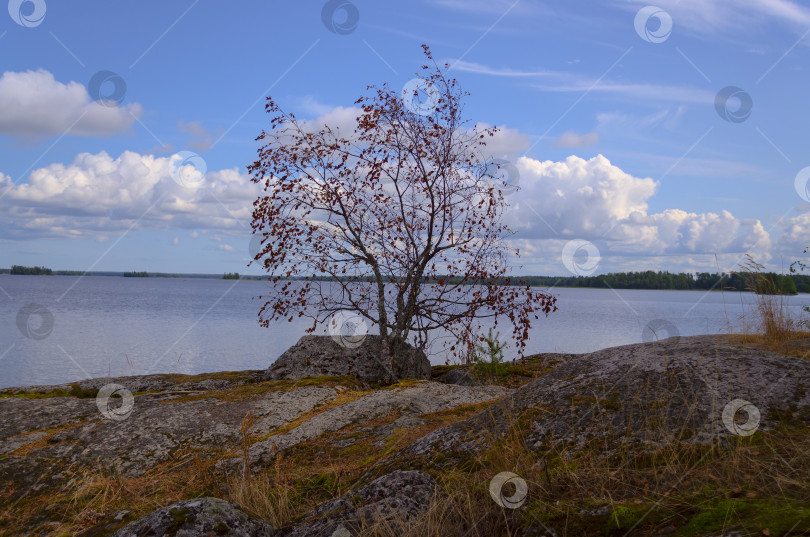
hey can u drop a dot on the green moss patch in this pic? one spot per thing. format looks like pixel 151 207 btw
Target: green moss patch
pixel 180 517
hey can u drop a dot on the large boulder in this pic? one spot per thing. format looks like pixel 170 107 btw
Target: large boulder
pixel 395 497
pixel 318 356
pixel 690 389
pixel 192 518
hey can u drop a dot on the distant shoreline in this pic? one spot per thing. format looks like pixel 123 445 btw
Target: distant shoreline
pixel 247 277
pixel 124 274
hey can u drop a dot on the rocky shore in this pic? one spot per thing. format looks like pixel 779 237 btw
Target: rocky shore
pixel 289 452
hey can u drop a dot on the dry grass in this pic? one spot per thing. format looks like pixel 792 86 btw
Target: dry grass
pixel 267 495
pixel 759 485
pixel 605 488
pixel 461 513
pixel 770 323
pixel 751 485
pixel 90 496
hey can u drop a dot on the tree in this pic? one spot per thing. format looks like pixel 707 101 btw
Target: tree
pixel 403 215
pixel 36 271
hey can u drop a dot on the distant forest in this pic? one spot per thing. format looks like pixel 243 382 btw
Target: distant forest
pixel 17 269
pixel 36 271
pixel 763 282
pixel 769 283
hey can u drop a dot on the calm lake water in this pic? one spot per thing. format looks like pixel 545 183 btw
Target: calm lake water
pixel 108 326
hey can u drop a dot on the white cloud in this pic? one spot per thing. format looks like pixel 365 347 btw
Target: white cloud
pixel 481 69
pixel 313 106
pixel 499 7
pixel 597 201
pixel 573 139
pixel 796 234
pixel 651 92
pixel 733 18
pixel 33 104
pixel 675 231
pixel 577 197
pixel 98 195
pixel 560 81
pixel 474 5
pixel 340 119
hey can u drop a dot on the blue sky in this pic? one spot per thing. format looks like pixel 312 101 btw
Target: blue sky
pixel 612 123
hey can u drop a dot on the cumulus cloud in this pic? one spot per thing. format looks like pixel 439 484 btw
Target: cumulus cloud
pixel 97 195
pixel 577 197
pixel 597 201
pixel 675 231
pixel 573 139
pixel 795 235
pixel 33 104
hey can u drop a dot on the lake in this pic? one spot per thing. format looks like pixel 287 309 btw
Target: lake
pixel 100 326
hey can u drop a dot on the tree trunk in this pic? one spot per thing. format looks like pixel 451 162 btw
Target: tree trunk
pixel 386 354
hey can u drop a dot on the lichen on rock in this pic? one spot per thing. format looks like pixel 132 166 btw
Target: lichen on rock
pixel 646 395
pixel 192 518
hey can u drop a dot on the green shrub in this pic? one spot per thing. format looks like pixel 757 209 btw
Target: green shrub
pixel 488 358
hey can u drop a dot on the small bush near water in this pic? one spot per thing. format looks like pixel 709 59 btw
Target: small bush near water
pixel 770 322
